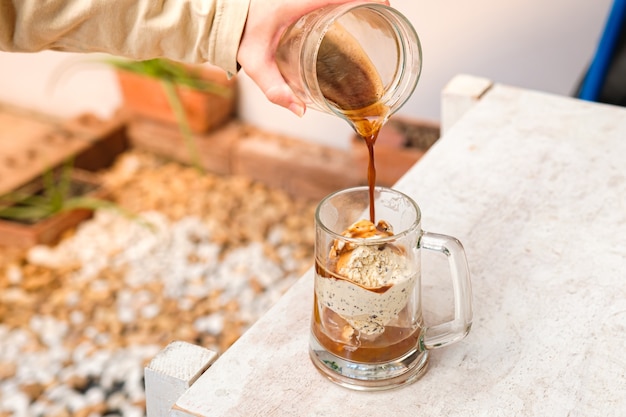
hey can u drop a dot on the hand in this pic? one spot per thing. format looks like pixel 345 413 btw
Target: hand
pixel 267 20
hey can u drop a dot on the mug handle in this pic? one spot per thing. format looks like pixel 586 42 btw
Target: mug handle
pixel 454 330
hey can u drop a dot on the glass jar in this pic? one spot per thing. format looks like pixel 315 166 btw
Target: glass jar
pixel 345 58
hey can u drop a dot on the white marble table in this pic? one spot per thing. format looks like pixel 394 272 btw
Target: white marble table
pixel 534 185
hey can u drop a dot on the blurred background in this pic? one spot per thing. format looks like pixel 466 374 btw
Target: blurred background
pixel 534 44
pixel 227 242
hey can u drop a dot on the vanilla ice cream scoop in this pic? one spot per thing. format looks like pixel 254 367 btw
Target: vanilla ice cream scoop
pixel 373 266
pixel 373 280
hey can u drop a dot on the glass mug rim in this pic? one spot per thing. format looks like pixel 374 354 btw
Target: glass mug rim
pixel 415 226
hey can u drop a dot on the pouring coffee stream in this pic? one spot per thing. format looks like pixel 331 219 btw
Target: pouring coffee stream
pixel 348 79
pixel 368 128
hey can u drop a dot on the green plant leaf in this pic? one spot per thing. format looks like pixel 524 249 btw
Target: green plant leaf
pixel 29 204
pixel 170 71
pixel 26 213
pixel 183 123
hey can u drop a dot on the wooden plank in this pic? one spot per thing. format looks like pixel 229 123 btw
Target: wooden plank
pixel 171 372
pixel 214 148
pixel 460 95
pixel 301 168
pixel 31 143
pixel 49 230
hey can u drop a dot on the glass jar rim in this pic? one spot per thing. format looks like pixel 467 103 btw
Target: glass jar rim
pixel 409 44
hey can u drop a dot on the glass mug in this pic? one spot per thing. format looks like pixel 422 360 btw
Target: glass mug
pixel 367 329
pixel 344 58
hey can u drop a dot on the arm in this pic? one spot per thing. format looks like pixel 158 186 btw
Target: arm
pixel 192 31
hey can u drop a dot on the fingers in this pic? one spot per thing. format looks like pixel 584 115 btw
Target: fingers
pixel 271 82
pixel 260 65
pixel 283 96
pixel 257 50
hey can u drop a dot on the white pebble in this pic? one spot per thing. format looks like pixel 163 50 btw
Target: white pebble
pixel 14 274
pixel 49 330
pixel 77 317
pixel 117 400
pixel 180 256
pixel 185 304
pixel 212 324
pixel 94 396
pixel 14 402
pixel 129 410
pixel 46 256
pixel 150 311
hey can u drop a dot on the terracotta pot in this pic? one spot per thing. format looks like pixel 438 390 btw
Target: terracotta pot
pixel 37 143
pixel 145 97
pixel 48 231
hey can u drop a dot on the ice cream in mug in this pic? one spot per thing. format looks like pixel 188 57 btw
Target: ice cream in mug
pixel 362 295
pixel 367 329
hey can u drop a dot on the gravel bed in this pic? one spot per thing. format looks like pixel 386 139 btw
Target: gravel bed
pixel 204 259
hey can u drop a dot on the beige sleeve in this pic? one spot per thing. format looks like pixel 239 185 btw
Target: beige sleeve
pixel 192 31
